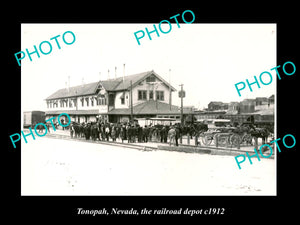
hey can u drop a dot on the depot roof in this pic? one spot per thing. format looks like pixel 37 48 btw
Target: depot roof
pixel 117 84
pixel 150 107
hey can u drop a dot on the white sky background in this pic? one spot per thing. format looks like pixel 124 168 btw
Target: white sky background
pixel 207 58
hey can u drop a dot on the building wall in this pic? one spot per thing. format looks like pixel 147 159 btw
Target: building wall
pixel 147 87
pixel 143 87
pixel 85 107
pixel 102 108
pixel 118 104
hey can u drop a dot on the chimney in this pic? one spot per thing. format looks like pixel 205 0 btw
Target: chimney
pixel 100 75
pixel 68 83
pixel 170 91
pixel 123 75
pixel 82 82
pixel 115 72
pixel 123 72
pixel 108 74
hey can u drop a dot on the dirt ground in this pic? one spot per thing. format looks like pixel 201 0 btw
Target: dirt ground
pixel 67 167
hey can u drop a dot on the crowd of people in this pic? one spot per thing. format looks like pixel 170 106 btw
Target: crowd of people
pixel 130 132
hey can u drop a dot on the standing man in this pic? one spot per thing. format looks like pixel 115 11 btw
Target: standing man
pixel 122 133
pixel 62 122
pixel 145 133
pixel 130 133
pixel 140 133
pixel 113 133
pixel 162 132
pixel 48 127
pixel 172 134
pixel 71 130
pixel 166 134
pixel 107 130
pixel 177 134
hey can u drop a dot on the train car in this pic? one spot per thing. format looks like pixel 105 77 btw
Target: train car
pixel 31 118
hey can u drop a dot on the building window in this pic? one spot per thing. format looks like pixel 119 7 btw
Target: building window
pixel 75 102
pixel 122 97
pixel 82 102
pixel 92 101
pixel 87 101
pixel 160 95
pixel 151 97
pixel 101 101
pixel 142 95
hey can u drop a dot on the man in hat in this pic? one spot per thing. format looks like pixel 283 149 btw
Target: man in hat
pixel 172 134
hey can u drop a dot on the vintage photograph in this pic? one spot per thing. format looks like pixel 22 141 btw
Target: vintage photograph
pixel 105 114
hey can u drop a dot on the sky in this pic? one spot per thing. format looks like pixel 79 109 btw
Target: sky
pixel 208 59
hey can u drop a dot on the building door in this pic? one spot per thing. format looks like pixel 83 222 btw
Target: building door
pixel 111 99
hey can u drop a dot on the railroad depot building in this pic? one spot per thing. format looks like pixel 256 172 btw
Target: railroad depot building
pixel 110 100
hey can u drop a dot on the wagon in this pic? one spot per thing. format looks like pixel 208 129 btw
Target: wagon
pixel 220 130
pixel 215 127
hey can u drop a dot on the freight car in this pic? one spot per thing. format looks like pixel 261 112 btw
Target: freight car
pixel 31 118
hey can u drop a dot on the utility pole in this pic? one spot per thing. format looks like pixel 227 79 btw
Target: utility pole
pixel 131 108
pixel 181 109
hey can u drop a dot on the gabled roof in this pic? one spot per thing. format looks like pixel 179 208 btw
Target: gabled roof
pixel 108 85
pixel 118 84
pixel 86 89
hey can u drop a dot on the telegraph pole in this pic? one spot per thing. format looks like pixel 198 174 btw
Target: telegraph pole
pixel 131 108
pixel 181 109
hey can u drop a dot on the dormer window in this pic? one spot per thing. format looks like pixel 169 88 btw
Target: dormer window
pixel 99 87
pixel 151 78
